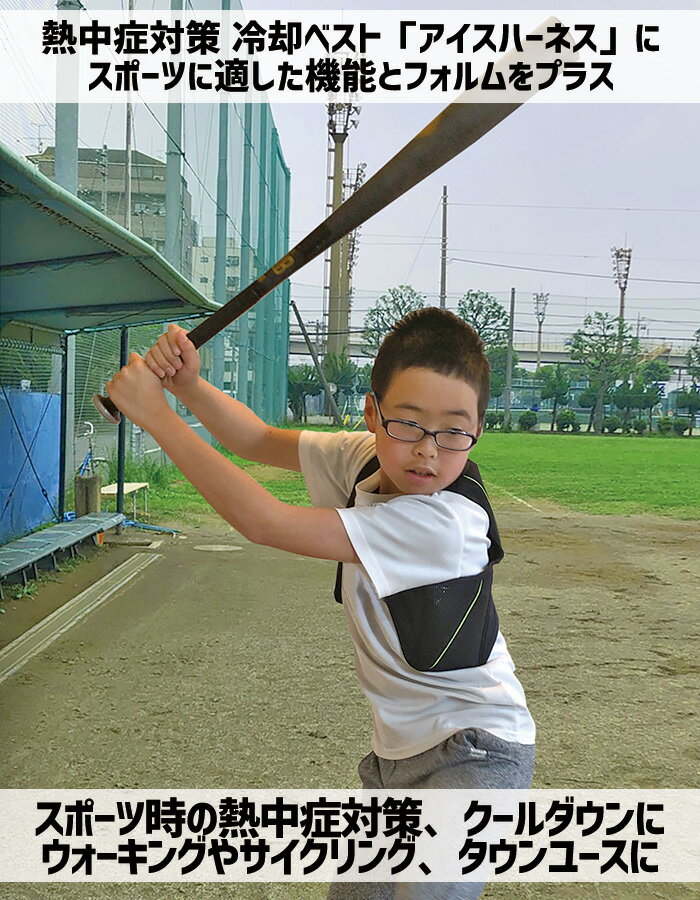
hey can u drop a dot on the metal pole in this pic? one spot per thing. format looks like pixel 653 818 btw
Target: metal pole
pixel 284 365
pixel 173 178
pixel 127 153
pixel 271 314
pixel 66 125
pixel 443 250
pixel 127 169
pixel 263 252
pixel 336 319
pixel 66 175
pixel 622 258
pixel 104 162
pixel 541 301
pixel 509 363
pixel 221 248
pixel 319 370
pixel 245 277
pixel 121 437
pixel 63 431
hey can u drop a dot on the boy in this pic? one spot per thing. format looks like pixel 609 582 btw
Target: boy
pixel 416 535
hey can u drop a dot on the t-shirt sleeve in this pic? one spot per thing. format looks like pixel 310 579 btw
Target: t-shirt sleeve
pixel 408 541
pixel 330 462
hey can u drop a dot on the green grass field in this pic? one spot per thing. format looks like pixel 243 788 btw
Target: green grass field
pixel 597 474
pixel 602 475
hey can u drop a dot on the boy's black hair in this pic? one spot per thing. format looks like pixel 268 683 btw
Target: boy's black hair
pixel 434 339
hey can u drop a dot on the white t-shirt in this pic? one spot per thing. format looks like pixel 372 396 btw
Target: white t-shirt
pixel 404 541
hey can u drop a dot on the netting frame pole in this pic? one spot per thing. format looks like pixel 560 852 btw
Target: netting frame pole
pixel 121 437
pixel 63 430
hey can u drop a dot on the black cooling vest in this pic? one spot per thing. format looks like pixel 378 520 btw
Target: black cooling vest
pixel 452 624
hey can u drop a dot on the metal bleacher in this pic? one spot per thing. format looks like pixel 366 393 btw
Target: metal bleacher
pixel 25 554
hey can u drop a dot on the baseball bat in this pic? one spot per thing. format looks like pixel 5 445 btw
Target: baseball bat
pixel 457 127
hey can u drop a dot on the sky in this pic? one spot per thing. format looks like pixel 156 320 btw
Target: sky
pixel 553 187
pixel 534 205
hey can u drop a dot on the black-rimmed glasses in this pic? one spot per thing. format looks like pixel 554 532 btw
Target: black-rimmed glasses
pixel 411 432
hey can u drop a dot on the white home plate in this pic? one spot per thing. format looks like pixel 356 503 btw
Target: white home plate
pixel 218 548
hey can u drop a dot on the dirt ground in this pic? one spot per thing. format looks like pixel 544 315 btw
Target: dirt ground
pixel 233 669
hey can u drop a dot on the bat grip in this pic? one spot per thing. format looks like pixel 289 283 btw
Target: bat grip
pixel 106 409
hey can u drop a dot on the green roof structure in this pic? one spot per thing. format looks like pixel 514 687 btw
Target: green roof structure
pixel 66 267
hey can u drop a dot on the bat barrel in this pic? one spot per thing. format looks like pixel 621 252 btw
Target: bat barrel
pixel 457 127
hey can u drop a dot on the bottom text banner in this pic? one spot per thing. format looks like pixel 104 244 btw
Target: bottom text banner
pixel 303 835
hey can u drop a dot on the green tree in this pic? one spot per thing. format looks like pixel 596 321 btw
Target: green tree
pixel 652 374
pixel 587 400
pixel 555 385
pixel 689 400
pixel 484 313
pixel 302 382
pixel 340 370
pixel 628 396
pixel 389 308
pixel 607 351
pixel 497 355
pixel 364 378
pixel 692 359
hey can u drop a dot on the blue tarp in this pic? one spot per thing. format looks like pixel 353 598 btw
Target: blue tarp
pixel 32 419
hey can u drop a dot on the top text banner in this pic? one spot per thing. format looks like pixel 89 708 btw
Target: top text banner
pixel 587 56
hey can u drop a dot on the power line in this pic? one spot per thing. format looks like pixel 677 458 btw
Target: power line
pixel 420 247
pixel 556 334
pixel 595 208
pixel 476 262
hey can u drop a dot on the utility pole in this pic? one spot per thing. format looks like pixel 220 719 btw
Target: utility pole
pixel 541 301
pixel 509 363
pixel 443 250
pixel 341 118
pixel 350 243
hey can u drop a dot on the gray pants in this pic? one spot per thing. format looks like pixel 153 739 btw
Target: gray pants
pixel 471 758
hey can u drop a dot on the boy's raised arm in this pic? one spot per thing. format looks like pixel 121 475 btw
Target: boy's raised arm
pixel 236 496
pixel 175 360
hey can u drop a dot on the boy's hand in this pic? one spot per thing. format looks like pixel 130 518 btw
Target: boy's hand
pixel 138 393
pixel 174 359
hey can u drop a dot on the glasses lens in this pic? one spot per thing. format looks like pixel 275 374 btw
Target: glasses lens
pixel 404 431
pixel 449 440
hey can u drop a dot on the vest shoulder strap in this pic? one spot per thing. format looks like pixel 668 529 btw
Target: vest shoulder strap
pixel 469 485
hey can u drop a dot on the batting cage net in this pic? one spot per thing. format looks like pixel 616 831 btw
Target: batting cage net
pixel 30 410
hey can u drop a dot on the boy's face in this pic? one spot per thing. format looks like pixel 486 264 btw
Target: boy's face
pixel 437 403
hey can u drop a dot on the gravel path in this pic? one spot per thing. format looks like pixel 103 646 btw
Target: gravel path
pixel 233 669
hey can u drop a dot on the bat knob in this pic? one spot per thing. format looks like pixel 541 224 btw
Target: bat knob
pixel 106 409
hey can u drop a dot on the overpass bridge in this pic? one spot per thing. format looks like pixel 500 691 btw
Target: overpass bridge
pixel 551 353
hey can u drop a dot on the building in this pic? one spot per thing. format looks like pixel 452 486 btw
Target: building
pixel 203 257
pixel 101 179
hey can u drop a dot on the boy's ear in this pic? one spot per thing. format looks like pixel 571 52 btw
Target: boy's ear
pixel 370 413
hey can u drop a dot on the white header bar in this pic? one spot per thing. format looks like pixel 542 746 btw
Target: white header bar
pixel 372 56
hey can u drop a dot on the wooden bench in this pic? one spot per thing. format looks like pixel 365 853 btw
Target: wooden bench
pixel 130 487
pixel 26 553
